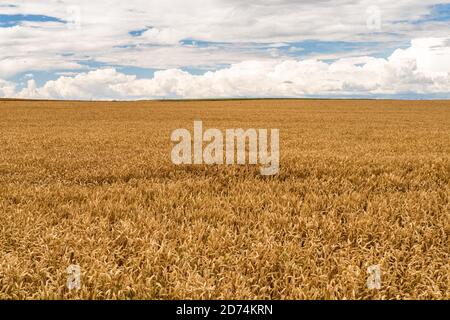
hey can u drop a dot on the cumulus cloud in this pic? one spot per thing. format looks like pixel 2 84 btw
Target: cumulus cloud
pixel 269 48
pixel 10 66
pixel 421 68
pixel 102 30
pixel 7 89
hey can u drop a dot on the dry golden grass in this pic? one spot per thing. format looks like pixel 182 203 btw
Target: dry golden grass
pixel 360 183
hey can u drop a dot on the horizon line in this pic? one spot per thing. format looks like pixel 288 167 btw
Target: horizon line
pixel 219 99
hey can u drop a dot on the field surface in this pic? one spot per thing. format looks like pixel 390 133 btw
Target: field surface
pixel 361 183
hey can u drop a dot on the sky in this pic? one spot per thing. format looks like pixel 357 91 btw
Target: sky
pixel 171 49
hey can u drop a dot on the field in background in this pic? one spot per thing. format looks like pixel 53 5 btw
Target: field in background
pixel 360 183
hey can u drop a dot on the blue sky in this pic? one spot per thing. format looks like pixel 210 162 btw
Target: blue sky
pixel 11 20
pixel 156 49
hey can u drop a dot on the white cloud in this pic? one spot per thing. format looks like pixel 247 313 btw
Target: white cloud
pixel 102 33
pixel 7 89
pixel 418 69
pixel 97 84
pixel 255 32
pixel 11 66
pixel 163 36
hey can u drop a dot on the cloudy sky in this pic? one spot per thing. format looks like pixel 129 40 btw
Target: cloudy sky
pixel 158 49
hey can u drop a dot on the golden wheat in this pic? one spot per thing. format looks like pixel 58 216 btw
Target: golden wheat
pixel 360 183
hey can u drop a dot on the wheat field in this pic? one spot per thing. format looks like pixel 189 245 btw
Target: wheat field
pixel 91 183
